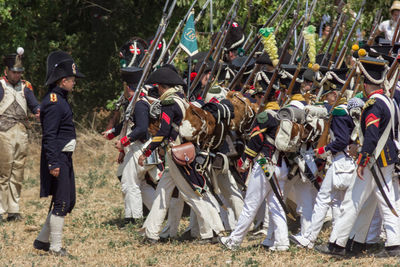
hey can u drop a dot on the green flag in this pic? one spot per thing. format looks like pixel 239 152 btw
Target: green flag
pixel 188 40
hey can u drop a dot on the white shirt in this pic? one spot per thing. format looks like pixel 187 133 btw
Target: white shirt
pixel 388 27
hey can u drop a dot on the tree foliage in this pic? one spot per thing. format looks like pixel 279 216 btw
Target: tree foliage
pixel 93 31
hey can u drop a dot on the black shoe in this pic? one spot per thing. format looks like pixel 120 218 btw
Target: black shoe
pixel 12 217
pixel 393 251
pixel 129 220
pixel 186 236
pixel 149 241
pixel 61 253
pixel 356 249
pixel 205 241
pixel 45 246
pixel 331 249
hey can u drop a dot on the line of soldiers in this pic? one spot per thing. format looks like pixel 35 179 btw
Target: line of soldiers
pixel 185 148
pixel 234 156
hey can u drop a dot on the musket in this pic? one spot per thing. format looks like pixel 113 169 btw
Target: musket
pixel 146 71
pixel 338 24
pixel 295 75
pixel 161 25
pixel 177 30
pixel 284 17
pixel 214 44
pixel 269 21
pixel 323 140
pixel 339 39
pixel 251 6
pixel 358 83
pixel 273 181
pixel 349 35
pixel 248 38
pixel 396 32
pixel 393 89
pixel 178 48
pixel 375 28
pixel 218 56
pixel 339 11
pixel 380 187
pixel 242 69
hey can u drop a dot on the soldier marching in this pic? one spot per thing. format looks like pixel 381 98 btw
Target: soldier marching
pixel 255 134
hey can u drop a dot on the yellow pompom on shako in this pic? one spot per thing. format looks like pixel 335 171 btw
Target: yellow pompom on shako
pixel 362 52
pixel 355 47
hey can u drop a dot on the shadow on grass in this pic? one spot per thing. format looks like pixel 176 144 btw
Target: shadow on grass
pixel 118 222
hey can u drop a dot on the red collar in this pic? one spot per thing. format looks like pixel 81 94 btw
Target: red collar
pixel 380 91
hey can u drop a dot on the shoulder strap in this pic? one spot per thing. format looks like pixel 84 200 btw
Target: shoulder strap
pixel 390 126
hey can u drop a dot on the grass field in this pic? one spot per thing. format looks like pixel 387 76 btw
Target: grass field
pixel 93 232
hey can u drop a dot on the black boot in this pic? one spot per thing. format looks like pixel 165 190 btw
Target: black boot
pixel 45 246
pixel 14 217
pixel 331 249
pixel 129 220
pixel 392 251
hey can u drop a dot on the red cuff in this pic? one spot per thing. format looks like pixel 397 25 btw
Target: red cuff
pixel 321 150
pixel 363 159
pixel 125 141
pixel 240 163
pixel 110 133
pixel 147 153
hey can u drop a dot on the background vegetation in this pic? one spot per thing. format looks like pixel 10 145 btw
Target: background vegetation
pixel 93 31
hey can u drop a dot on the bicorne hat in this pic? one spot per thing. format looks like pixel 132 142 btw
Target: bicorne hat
pixel 60 65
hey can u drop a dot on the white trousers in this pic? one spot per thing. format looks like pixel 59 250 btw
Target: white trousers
pixel 329 195
pixel 304 194
pixel 230 191
pixel 259 189
pixel 354 201
pixel 169 180
pixel 135 189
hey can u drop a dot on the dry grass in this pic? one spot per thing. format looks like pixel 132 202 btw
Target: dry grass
pixel 94 237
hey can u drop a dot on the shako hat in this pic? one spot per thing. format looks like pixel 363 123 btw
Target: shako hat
pixel 14 61
pixel 165 75
pixel 374 70
pixel 131 75
pixel 235 37
pixel 60 65
pixel 132 52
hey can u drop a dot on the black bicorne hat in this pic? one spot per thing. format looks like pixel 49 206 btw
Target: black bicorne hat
pixel 235 37
pixel 286 77
pixel 14 61
pixel 264 81
pixel 375 69
pixel 131 75
pixel 320 57
pixel 265 59
pixel 60 65
pixel 335 81
pixel 165 75
pixel 238 62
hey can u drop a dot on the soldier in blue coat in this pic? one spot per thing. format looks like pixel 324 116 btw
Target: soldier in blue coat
pixel 375 166
pixel 58 143
pixel 340 172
